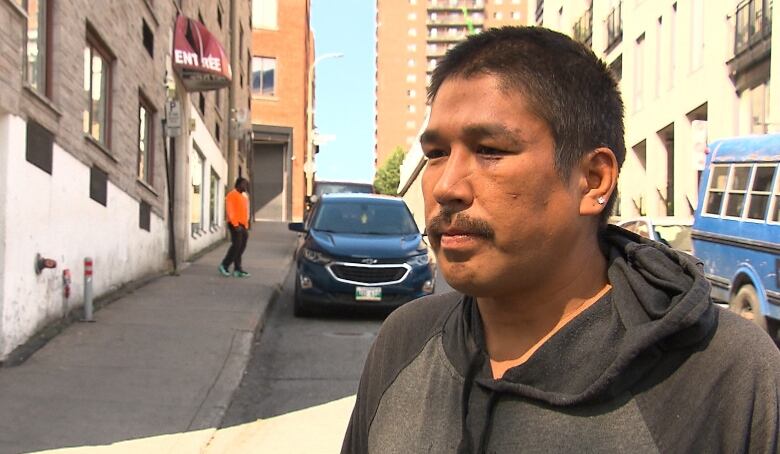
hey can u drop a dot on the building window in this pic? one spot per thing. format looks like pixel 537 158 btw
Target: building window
pixel 196 192
pixel 412 16
pixel 516 15
pixel 697 34
pixel 37 48
pixel 411 108
pixel 413 32
pixel 410 63
pixel 759 108
pixel 411 47
pixel 411 93
pixel 214 199
pixel 410 124
pixel 97 87
pixel 639 69
pixel 145 141
pixel 672 45
pixel 148 38
pixel 411 78
pixel 498 15
pixel 264 14
pixel 263 76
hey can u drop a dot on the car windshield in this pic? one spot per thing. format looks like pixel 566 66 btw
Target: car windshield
pixel 678 236
pixel 365 217
pixel 332 188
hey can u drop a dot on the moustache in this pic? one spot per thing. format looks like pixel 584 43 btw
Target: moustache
pixel 447 219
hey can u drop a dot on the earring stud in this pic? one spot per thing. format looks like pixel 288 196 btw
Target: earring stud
pixel 601 200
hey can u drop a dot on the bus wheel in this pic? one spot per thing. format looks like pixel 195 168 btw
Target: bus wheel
pixel 745 303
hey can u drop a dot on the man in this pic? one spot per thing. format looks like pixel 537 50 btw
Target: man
pixel 566 335
pixel 237 208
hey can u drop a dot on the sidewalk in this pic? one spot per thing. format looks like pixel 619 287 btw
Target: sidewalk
pixel 164 359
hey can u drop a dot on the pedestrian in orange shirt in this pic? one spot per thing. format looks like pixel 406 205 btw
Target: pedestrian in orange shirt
pixel 237 208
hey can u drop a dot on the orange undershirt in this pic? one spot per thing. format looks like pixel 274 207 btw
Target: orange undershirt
pixel 500 367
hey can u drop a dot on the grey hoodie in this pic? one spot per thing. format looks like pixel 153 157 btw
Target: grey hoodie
pixel 653 366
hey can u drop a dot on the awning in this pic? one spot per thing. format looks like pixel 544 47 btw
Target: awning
pixel 198 57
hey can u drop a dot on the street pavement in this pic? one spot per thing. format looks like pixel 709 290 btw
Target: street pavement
pixel 159 364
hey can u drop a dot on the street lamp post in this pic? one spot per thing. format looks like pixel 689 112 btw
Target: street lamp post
pixel 308 167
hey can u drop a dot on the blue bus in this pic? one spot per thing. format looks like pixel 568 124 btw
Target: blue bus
pixel 736 227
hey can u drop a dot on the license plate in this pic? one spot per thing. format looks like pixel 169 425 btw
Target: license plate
pixel 368 293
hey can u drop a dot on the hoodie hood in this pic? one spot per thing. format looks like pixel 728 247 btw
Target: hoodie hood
pixel 659 301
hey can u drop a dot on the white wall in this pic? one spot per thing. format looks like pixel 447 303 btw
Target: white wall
pixel 54 215
pixel 5 144
pixel 201 137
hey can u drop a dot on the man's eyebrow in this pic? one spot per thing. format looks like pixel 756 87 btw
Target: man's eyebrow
pixel 430 136
pixel 493 130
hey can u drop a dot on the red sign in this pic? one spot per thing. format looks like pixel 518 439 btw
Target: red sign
pixel 198 57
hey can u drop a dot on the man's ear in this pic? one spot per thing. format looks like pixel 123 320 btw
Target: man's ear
pixel 599 173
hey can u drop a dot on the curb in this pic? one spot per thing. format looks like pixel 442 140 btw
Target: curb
pixel 214 406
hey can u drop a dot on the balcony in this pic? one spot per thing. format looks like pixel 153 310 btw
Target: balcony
pixel 752 39
pixel 583 28
pixel 456 19
pixel 614 27
pixel 448 37
pixel 458 5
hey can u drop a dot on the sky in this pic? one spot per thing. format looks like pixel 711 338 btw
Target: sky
pixel 344 97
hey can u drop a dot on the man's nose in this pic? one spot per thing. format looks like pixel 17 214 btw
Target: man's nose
pixel 453 186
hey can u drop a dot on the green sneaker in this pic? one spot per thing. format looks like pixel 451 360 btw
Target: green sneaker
pixel 223 271
pixel 241 273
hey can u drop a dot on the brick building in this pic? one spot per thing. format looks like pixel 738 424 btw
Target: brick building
pixel 410 36
pixel 83 168
pixel 282 55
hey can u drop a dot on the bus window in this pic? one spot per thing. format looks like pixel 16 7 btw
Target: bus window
pixel 735 196
pixel 760 191
pixel 717 187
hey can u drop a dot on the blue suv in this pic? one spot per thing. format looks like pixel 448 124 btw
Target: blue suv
pixel 360 250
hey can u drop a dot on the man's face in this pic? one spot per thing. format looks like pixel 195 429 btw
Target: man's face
pixel 499 216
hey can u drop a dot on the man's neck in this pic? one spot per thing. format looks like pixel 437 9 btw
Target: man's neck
pixel 514 324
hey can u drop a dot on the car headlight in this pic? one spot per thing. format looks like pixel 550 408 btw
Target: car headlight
pixel 316 256
pixel 419 260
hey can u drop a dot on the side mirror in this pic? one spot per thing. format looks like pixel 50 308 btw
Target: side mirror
pixel 314 199
pixel 296 227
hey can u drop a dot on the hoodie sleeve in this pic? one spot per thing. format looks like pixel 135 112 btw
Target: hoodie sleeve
pixel 356 438
pixel 400 339
pixel 765 421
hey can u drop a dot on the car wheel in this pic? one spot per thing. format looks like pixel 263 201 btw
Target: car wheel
pixel 745 303
pixel 299 310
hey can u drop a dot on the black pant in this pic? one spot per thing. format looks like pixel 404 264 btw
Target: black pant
pixel 238 237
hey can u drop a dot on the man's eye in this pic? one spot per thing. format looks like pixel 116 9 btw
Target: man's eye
pixel 490 151
pixel 433 154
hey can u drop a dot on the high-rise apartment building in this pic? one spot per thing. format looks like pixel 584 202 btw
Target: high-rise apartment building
pixel 411 35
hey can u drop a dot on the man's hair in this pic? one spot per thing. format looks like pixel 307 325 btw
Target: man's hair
pixel 240 180
pixel 564 83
